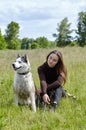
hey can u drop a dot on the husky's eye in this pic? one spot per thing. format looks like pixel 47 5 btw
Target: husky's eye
pixel 20 62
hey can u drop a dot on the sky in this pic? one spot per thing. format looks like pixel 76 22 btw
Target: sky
pixel 38 18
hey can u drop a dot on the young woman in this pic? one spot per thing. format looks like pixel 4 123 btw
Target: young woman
pixel 52 76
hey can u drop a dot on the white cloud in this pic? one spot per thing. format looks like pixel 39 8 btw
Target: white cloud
pixel 39 17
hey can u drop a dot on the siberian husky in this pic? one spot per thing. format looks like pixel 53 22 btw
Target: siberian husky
pixel 23 85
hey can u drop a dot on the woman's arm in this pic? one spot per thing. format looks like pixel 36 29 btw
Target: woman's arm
pixel 43 85
pixel 56 84
pixel 42 79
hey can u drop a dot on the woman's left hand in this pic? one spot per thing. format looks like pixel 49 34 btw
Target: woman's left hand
pixel 46 98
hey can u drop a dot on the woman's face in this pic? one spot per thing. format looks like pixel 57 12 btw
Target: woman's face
pixel 52 60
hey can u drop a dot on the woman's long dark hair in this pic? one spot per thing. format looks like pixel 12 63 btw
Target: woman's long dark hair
pixel 60 67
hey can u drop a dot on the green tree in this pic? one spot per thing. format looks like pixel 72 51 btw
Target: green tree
pixel 11 36
pixel 81 31
pixel 34 45
pixel 3 43
pixel 25 43
pixel 63 37
pixel 43 42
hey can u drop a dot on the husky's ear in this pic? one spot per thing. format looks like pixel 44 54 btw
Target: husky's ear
pixel 27 59
pixel 18 56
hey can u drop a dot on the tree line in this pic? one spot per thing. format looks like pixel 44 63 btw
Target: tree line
pixel 63 37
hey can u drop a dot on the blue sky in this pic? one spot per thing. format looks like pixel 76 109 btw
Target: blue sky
pixel 39 17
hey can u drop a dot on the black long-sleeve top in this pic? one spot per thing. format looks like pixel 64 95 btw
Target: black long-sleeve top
pixel 49 78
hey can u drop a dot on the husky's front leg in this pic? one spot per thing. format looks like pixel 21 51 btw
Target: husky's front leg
pixel 16 99
pixel 32 97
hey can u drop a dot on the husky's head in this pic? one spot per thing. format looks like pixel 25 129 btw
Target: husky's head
pixel 22 64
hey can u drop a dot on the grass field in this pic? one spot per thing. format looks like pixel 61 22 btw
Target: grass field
pixel 70 114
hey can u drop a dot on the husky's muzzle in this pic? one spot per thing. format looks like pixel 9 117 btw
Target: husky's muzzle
pixel 15 68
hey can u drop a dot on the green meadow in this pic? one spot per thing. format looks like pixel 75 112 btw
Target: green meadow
pixel 70 114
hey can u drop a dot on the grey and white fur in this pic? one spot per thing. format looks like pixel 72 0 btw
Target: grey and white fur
pixel 23 85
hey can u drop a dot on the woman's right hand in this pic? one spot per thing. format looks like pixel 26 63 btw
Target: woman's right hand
pixel 46 98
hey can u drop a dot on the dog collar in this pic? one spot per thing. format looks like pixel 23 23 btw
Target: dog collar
pixel 24 73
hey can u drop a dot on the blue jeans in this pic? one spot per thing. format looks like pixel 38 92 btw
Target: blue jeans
pixel 54 94
pixel 57 94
